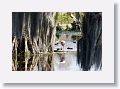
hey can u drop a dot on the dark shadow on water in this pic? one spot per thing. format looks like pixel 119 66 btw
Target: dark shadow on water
pixel 41 62
pixel 58 61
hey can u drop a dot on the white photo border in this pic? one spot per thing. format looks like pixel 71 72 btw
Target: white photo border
pixel 104 76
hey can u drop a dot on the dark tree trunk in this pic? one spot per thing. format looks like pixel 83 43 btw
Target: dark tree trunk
pixel 89 51
pixel 77 15
pixel 32 33
pixel 36 30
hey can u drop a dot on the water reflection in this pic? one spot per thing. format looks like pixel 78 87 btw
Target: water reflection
pixel 66 61
pixel 41 62
pixel 45 62
pixel 61 61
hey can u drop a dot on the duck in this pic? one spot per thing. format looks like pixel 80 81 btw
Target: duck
pixel 69 48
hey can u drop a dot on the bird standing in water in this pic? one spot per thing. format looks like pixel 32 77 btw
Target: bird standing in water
pixel 62 43
pixel 62 57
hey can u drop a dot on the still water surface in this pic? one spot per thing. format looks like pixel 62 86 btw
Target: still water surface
pixel 52 61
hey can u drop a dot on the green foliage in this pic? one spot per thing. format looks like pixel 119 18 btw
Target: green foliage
pixel 63 18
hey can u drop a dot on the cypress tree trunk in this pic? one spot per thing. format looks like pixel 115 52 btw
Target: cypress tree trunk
pixel 77 15
pixel 32 33
pixel 89 48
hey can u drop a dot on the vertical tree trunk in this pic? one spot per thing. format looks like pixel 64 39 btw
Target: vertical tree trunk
pixel 90 46
pixel 36 29
pixel 34 32
pixel 77 15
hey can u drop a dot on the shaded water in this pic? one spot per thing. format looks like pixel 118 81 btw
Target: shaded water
pixel 57 61
pixel 52 61
pixel 49 62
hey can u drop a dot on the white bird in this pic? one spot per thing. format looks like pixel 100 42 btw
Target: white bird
pixel 62 57
pixel 62 43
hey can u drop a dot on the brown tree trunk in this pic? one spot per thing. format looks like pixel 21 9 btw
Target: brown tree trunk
pixel 34 33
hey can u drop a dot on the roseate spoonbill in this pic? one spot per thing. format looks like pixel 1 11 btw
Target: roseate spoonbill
pixel 62 43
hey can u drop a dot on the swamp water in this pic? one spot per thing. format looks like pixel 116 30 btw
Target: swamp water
pixel 52 61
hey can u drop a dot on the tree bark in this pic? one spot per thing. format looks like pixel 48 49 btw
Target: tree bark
pixel 89 48
pixel 32 32
pixel 37 29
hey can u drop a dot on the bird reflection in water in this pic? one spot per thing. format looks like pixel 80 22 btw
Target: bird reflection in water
pixel 62 57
